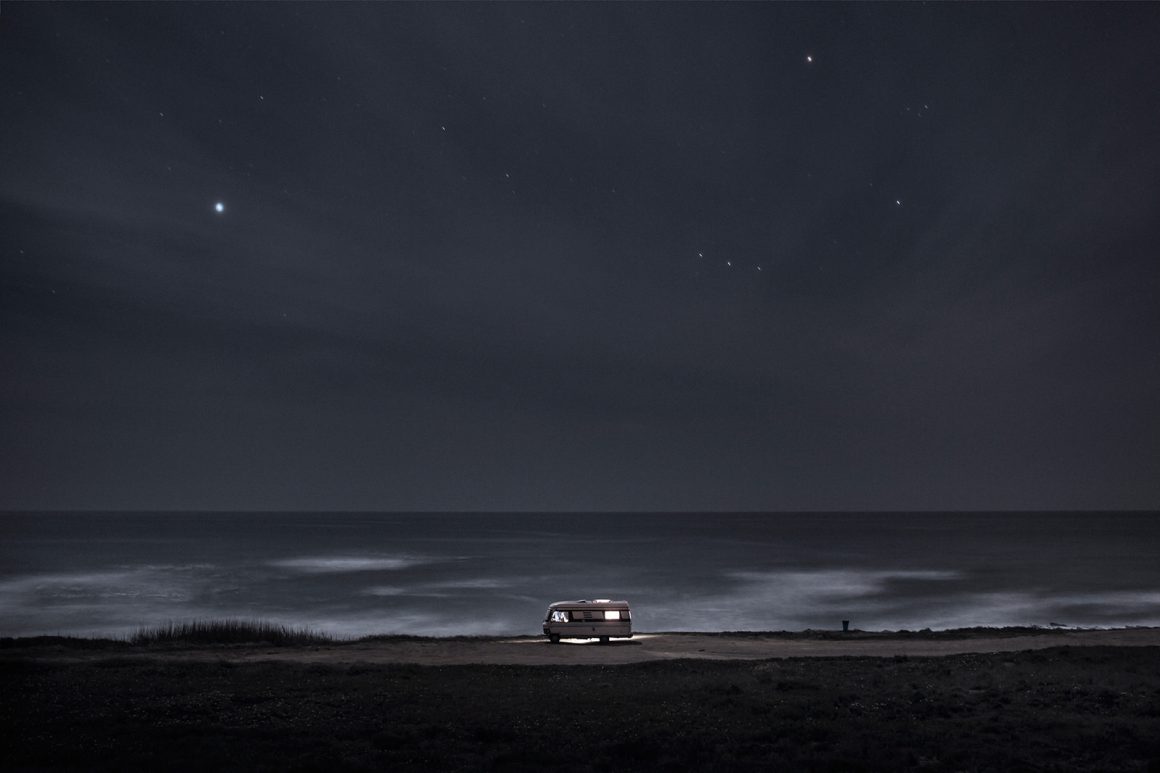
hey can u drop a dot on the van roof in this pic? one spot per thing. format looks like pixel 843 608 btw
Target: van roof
pixel 590 604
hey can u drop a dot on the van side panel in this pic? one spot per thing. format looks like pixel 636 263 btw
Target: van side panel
pixel 587 619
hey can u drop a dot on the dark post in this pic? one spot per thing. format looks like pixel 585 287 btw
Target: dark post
pixel 845 625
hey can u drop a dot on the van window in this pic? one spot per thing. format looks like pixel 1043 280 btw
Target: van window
pixel 559 616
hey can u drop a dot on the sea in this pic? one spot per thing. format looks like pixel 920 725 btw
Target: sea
pixel 356 574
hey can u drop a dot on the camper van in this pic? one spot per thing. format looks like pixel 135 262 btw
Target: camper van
pixel 602 619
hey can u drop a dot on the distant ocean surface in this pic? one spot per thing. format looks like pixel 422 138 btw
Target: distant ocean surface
pixel 356 574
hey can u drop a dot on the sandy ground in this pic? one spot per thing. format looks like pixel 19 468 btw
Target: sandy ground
pixel 735 701
pixel 642 647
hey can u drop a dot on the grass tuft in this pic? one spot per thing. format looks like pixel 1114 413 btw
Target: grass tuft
pixel 227 632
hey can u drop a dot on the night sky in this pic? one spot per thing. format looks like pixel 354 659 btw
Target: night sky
pixel 579 257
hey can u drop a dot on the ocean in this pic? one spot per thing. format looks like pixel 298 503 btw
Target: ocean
pixel 354 574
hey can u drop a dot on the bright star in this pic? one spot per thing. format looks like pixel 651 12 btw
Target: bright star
pixel 809 58
pixel 219 207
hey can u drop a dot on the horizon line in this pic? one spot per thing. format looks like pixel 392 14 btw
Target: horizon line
pixel 528 511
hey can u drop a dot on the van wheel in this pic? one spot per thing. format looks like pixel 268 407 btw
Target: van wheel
pixel 554 638
pixel 604 640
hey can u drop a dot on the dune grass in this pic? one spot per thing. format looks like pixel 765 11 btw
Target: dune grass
pixel 227 632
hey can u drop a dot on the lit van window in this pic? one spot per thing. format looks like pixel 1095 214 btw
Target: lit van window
pixel 559 616
pixel 612 614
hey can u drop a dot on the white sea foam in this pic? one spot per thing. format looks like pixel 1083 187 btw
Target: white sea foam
pixel 787 599
pixel 496 574
pixel 415 624
pixel 94 603
pixel 834 584
pixel 143 582
pixel 480 583
pixel 1037 607
pixel 458 588
pixel 337 564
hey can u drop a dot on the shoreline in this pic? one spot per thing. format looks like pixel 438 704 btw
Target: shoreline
pixel 536 650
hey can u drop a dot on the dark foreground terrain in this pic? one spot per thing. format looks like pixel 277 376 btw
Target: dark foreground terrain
pixel 1062 708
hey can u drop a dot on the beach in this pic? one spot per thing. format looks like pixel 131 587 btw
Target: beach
pixel 974 700
pixel 642 647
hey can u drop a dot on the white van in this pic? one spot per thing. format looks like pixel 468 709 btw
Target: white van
pixel 588 619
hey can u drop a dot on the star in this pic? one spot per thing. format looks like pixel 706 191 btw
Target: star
pixel 809 58
pixel 219 207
